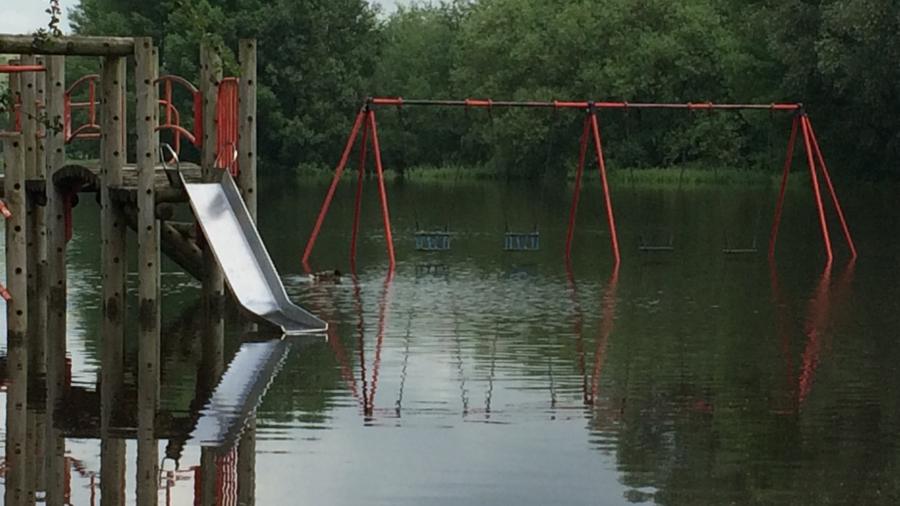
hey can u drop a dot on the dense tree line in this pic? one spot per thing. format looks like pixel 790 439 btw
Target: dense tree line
pixel 319 59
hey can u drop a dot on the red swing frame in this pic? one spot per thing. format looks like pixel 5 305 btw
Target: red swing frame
pixel 365 121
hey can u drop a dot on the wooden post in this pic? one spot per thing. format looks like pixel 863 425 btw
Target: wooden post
pixel 55 147
pixel 37 354
pixel 16 320
pixel 147 116
pixel 246 471
pixel 113 230
pixel 213 295
pixel 36 233
pixel 247 124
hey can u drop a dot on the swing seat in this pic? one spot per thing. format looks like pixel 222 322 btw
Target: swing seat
pixel 433 240
pixel 518 241
pixel 648 246
pixel 736 251
pixel 740 251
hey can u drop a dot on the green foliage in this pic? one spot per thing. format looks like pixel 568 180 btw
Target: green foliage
pixel 319 59
pixel 314 58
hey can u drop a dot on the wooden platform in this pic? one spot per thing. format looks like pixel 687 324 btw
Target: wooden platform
pixel 179 240
pixel 84 175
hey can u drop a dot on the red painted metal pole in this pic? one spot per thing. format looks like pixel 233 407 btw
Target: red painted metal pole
pixel 334 183
pixel 779 206
pixel 358 202
pixel 556 104
pixel 610 217
pixel 385 212
pixel 834 197
pixel 823 223
pixel 13 69
pixel 576 194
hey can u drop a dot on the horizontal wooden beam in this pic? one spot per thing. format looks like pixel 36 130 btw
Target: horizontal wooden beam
pixel 69 45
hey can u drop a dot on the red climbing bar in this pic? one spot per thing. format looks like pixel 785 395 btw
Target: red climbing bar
pixel 385 212
pixel 779 206
pixel 386 101
pixel 569 105
pixel 334 183
pixel 610 217
pixel 576 194
pixel 818 194
pixel 358 203
pixel 14 69
pixel 834 197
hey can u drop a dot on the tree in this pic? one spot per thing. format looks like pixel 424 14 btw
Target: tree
pixel 315 57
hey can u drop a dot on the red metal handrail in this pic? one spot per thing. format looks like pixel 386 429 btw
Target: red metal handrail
pixel 17 106
pixel 171 119
pixel 91 129
pixel 227 126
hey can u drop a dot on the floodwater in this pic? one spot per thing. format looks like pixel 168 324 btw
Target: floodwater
pixel 478 376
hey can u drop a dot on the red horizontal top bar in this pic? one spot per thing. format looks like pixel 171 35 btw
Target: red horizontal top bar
pixel 557 104
pixel 10 69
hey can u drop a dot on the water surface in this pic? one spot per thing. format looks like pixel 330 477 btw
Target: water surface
pixel 478 376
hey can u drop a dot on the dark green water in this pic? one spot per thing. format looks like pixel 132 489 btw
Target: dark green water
pixel 478 376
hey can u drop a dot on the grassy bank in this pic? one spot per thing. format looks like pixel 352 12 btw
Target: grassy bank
pixel 673 176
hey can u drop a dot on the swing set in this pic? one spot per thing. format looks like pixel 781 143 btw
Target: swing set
pixel 590 138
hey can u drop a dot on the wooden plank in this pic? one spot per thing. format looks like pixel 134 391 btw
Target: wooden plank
pixel 114 263
pixel 247 125
pixel 70 45
pixel 16 322
pixel 86 178
pixel 55 148
pixel 146 114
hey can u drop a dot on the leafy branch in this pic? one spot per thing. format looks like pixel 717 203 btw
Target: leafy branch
pixel 42 35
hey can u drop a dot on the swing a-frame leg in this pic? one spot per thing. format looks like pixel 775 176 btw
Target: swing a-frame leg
pixel 816 165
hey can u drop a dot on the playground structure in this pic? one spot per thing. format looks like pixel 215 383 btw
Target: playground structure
pixel 590 137
pixel 40 188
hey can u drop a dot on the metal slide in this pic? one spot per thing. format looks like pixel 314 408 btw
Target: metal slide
pixel 237 246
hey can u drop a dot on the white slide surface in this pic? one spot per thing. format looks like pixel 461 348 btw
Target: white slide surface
pixel 249 271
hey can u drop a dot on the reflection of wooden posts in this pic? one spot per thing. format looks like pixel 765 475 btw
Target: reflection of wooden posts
pixel 247 124
pixel 246 471
pixel 208 477
pixel 146 113
pixel 55 148
pixel 213 293
pixel 115 265
pixel 16 320
pixel 35 450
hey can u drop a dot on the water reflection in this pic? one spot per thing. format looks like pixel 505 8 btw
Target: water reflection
pixel 477 376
